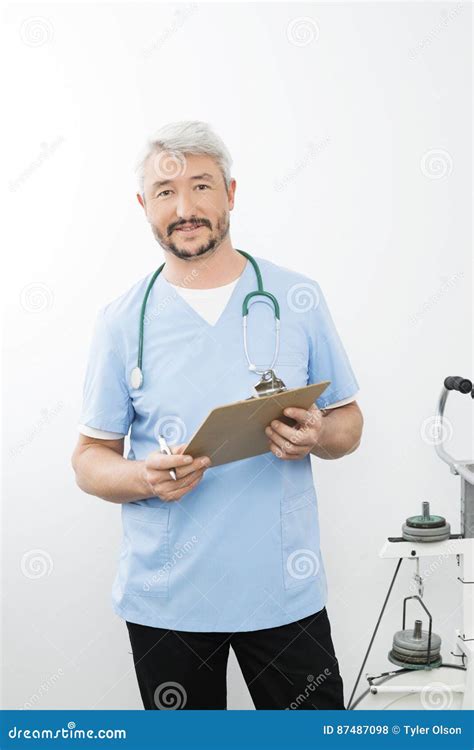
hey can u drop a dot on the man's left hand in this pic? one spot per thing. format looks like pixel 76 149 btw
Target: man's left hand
pixel 294 443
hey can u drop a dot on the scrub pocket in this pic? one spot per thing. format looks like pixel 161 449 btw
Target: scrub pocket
pixel 146 560
pixel 300 539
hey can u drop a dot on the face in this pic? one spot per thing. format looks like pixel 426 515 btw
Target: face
pixel 186 203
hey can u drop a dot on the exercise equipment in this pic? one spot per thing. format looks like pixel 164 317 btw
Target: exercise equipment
pixel 426 528
pixel 416 648
pixel 423 679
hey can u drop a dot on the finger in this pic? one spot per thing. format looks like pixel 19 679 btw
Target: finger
pixel 162 461
pixel 199 464
pixel 178 448
pixel 303 416
pixel 170 485
pixel 161 475
pixel 178 493
pixel 302 437
pixel 281 453
pixel 283 444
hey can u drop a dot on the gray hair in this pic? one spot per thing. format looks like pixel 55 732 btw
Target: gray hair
pixel 187 137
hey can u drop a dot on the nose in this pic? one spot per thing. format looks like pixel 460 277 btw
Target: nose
pixel 185 206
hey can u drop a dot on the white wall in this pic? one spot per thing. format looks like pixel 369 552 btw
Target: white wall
pixel 333 122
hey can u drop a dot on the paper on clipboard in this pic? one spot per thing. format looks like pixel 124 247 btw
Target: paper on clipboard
pixel 236 431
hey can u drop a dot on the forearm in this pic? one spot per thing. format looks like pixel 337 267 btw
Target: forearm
pixel 101 471
pixel 340 434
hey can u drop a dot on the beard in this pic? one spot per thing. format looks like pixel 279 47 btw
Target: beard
pixel 207 247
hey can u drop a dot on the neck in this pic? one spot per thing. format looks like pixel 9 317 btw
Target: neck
pixel 223 265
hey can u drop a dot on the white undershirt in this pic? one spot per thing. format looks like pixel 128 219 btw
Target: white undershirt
pixel 209 304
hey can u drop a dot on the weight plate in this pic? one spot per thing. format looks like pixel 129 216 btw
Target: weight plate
pixel 407 665
pixel 420 522
pixel 410 652
pixel 425 539
pixel 419 659
pixel 438 531
pixel 405 639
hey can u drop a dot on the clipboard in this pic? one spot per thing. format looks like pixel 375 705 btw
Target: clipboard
pixel 236 431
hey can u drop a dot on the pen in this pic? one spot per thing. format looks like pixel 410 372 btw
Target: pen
pixel 164 448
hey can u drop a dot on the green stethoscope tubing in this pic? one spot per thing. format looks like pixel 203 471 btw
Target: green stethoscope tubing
pixel 137 372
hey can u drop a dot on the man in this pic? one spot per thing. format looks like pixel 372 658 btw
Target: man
pixel 223 556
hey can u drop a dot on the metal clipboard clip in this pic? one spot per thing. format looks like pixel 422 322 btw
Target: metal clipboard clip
pixel 268 385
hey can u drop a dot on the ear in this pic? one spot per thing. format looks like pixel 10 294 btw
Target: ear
pixel 141 200
pixel 231 193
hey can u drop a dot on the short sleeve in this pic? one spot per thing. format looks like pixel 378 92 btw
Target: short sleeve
pixel 328 359
pixel 106 400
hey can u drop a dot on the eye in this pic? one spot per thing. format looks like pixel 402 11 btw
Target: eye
pixel 162 193
pixel 202 185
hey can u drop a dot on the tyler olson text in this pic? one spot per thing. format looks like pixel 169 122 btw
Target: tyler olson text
pixel 435 729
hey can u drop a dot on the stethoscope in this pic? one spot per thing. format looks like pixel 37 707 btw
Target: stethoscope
pixel 269 383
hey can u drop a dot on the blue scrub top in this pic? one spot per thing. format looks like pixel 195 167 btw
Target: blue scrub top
pixel 241 551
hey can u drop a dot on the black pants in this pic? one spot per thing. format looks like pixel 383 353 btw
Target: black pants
pixel 291 666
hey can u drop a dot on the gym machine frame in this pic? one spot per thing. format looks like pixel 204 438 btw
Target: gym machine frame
pixel 462 546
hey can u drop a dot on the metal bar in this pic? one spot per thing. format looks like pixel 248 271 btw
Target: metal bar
pixel 448 547
pixel 459 688
pixel 375 632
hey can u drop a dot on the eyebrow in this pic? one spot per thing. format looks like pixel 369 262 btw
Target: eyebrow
pixel 203 176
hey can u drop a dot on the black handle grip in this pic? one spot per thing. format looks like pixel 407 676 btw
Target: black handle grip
pixel 455 383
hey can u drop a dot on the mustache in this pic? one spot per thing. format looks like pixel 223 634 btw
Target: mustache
pixel 194 223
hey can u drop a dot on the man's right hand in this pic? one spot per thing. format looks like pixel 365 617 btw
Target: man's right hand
pixel 156 468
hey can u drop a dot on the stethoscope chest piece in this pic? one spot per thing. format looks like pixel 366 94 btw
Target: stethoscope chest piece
pixel 136 378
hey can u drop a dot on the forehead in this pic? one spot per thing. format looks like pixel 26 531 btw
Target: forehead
pixel 178 166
